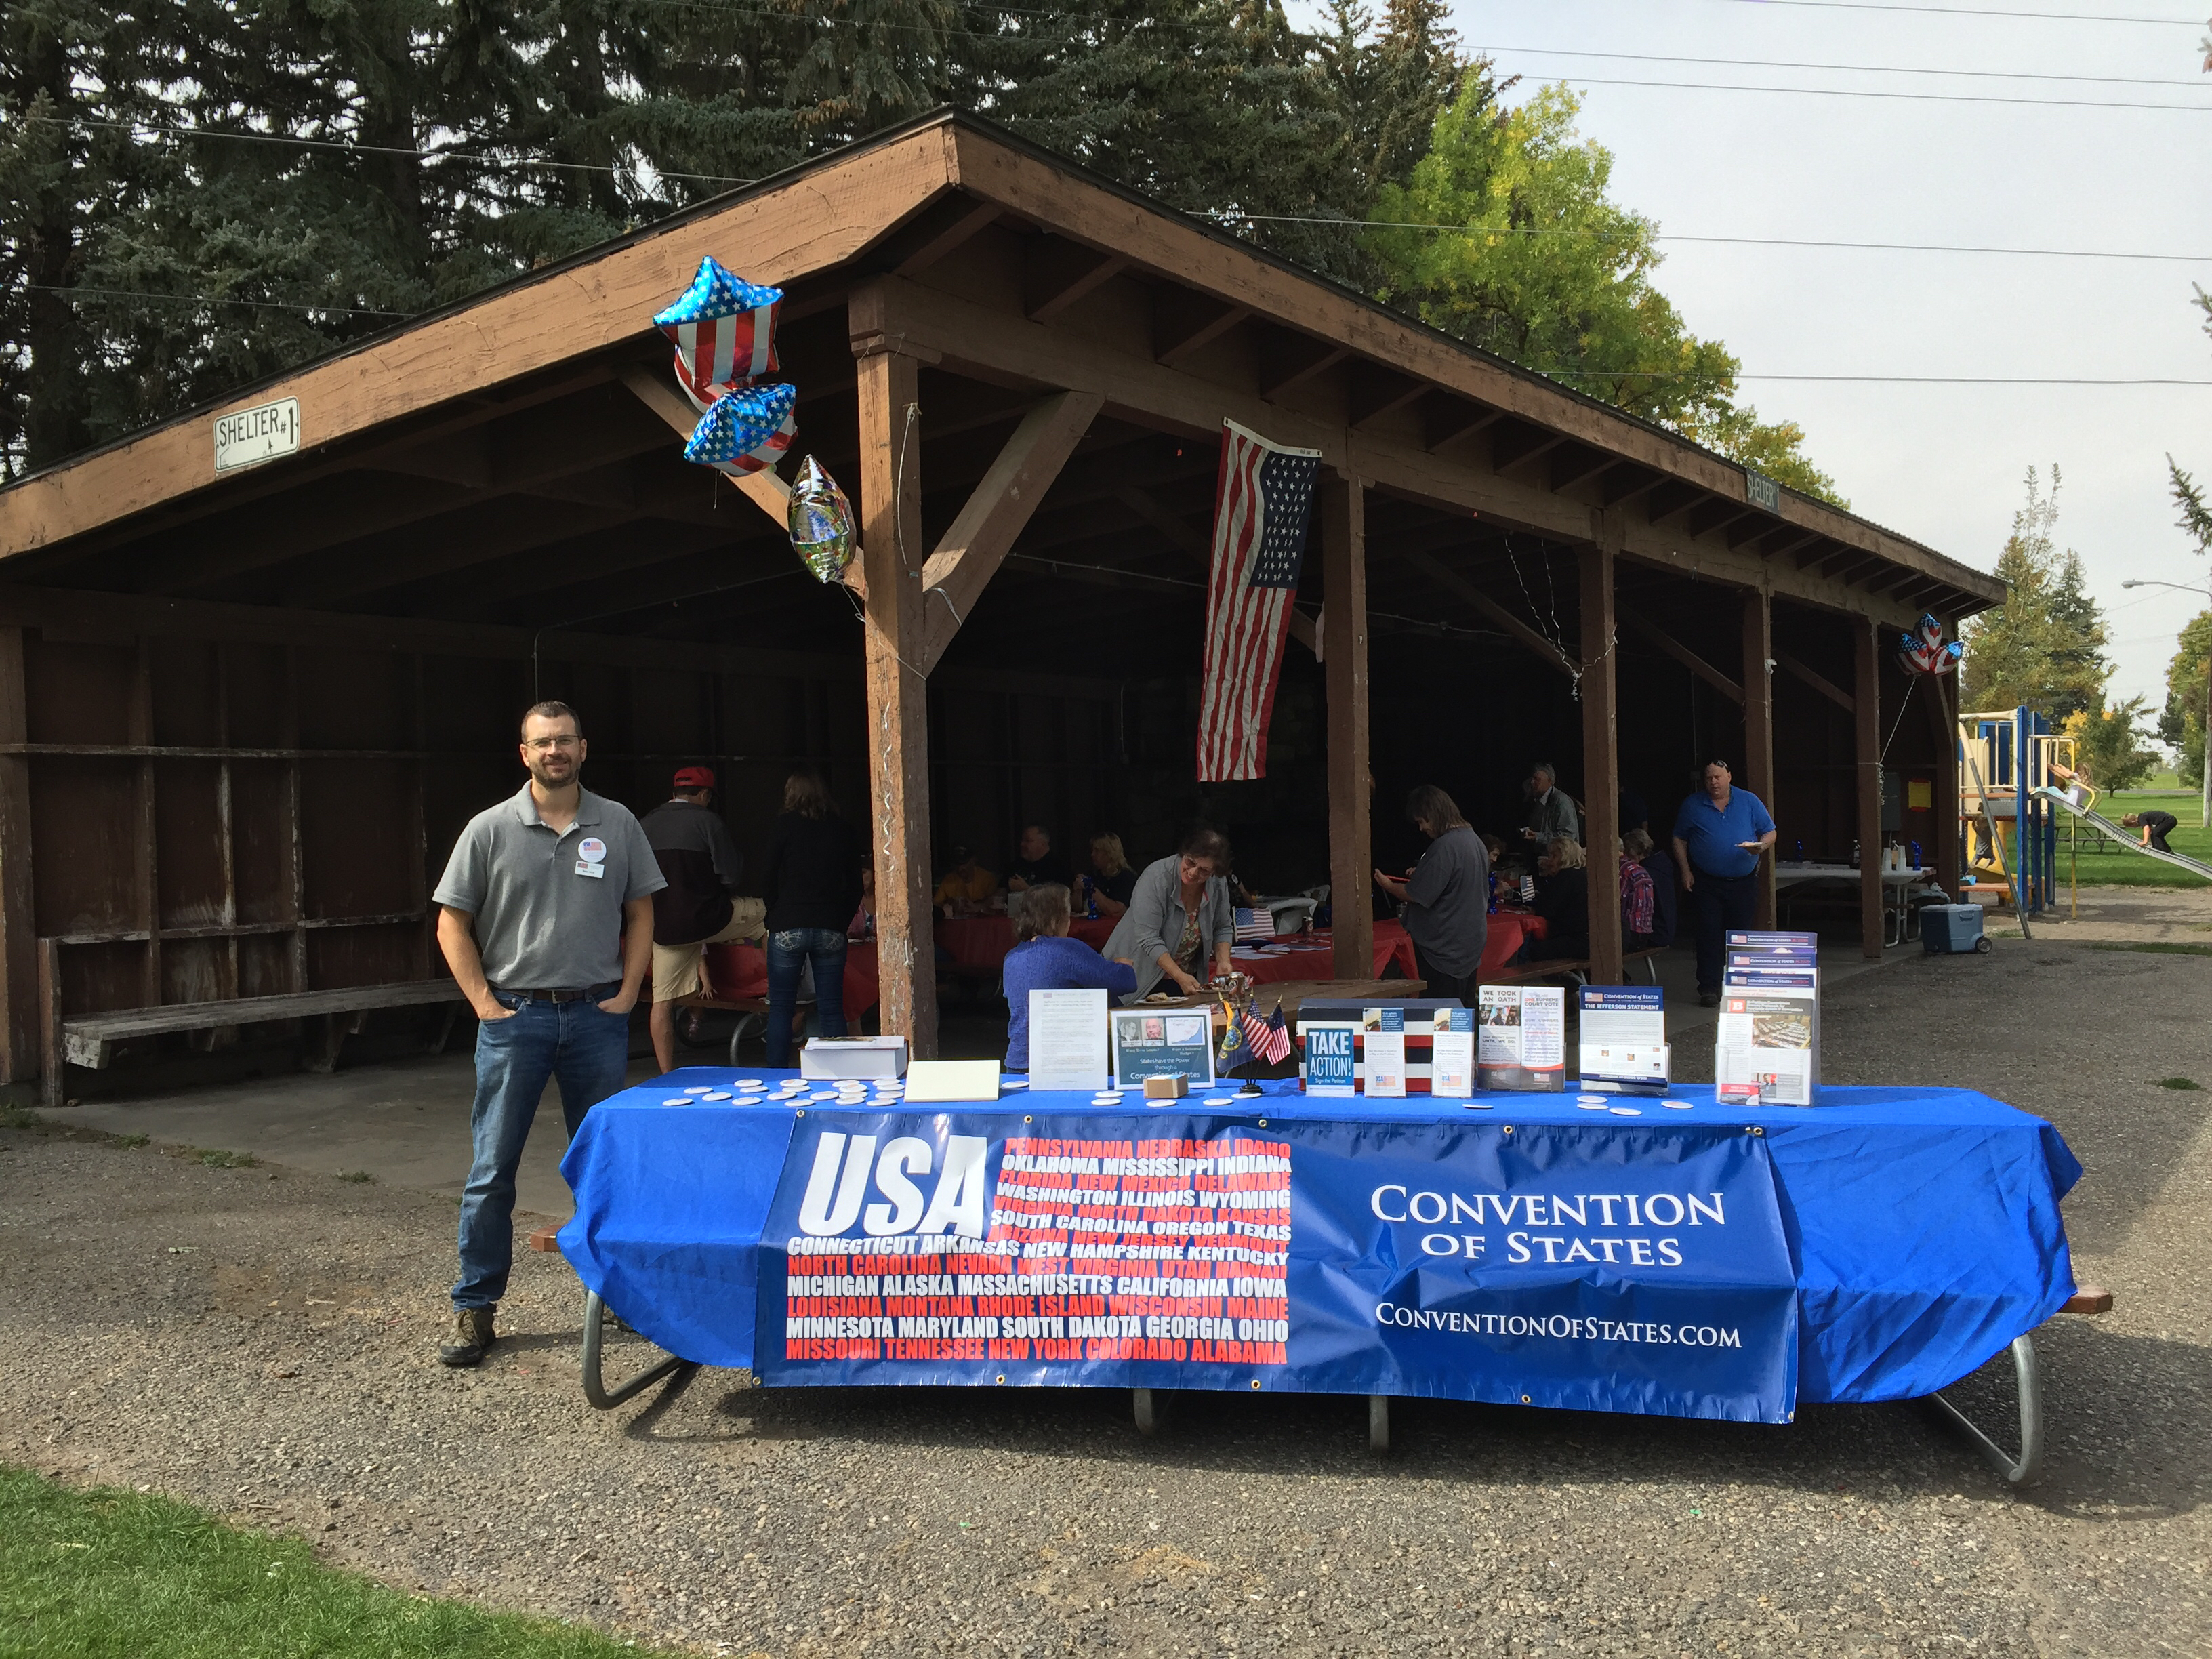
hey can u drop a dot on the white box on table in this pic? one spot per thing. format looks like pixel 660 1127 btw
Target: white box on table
pixel 852 1057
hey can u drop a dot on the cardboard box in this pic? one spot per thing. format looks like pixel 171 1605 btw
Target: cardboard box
pixel 852 1057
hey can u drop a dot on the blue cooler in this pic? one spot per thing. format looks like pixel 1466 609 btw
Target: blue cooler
pixel 1951 929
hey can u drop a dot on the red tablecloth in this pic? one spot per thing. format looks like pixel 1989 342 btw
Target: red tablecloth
pixel 1311 956
pixel 976 945
pixel 737 972
pixel 1507 930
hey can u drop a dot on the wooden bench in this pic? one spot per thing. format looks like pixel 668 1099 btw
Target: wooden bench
pixel 89 1040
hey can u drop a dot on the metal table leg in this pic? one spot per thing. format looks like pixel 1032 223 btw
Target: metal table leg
pixel 2022 1470
pixel 1379 1423
pixel 595 1389
pixel 744 1028
pixel 1150 1411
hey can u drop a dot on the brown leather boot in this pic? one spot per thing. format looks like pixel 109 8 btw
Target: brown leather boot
pixel 472 1336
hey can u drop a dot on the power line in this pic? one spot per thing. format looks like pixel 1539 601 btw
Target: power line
pixel 216 299
pixel 1840 69
pixel 1910 97
pixel 1736 241
pixel 1863 380
pixel 1972 11
pixel 140 129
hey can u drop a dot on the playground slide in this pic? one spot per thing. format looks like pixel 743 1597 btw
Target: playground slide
pixel 2124 837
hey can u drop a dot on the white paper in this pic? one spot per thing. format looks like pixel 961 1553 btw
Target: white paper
pixel 1386 1063
pixel 1070 1041
pixel 1766 1046
pixel 1543 1026
pixel 1452 1065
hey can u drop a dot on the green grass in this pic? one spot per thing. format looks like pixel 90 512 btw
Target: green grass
pixel 2101 864
pixel 2180 1083
pixel 116 1575
pixel 228 1160
pixel 359 1177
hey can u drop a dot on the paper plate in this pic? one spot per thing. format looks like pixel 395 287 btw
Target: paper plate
pixel 1625 1111
pixel 1676 1105
pixel 1591 1105
pixel 678 1100
pixel 715 1094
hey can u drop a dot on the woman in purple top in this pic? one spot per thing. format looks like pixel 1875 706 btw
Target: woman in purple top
pixel 1045 959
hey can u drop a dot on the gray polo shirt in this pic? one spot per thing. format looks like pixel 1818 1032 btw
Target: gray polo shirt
pixel 542 923
pixel 1448 903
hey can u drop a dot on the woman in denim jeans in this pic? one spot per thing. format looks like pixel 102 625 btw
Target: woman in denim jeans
pixel 812 885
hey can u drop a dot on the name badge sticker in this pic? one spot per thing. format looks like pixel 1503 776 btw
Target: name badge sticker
pixel 592 850
pixel 584 869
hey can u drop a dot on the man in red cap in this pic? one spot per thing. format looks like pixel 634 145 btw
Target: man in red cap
pixel 699 906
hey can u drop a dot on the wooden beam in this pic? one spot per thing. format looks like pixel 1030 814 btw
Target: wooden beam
pixel 1377 392
pixel 1057 272
pixel 1570 471
pixel 1342 508
pixel 1293 362
pixel 996 513
pixel 764 489
pixel 1714 514
pixel 1177 532
pixel 897 692
pixel 1759 730
pixel 1599 692
pixel 398 558
pixel 21 1056
pixel 1670 498
pixel 1186 322
pixel 1633 482
pixel 1652 634
pixel 1520 444
pixel 1866 664
pixel 1444 576
pixel 1827 688
pixel 963 224
pixel 1446 420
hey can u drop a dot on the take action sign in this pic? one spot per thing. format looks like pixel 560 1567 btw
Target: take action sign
pixel 1622 1270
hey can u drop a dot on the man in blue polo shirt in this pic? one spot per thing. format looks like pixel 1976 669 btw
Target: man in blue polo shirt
pixel 1719 838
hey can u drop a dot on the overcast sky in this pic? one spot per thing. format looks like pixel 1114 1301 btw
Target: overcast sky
pixel 1941 463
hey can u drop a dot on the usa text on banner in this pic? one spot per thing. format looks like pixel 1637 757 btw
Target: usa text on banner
pixel 946 1248
pixel 1621 1271
pixel 1262 499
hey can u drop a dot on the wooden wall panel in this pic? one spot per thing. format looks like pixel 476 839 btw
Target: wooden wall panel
pixel 261 840
pixel 84 844
pixel 79 692
pixel 361 955
pixel 196 971
pixel 191 847
pixel 357 839
pixel 355 700
pixel 254 695
pixel 188 693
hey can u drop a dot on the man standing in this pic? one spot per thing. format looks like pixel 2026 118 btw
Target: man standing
pixel 698 907
pixel 1551 814
pixel 1719 838
pixel 538 892
pixel 1038 865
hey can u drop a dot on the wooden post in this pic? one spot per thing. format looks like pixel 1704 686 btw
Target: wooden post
pixel 896 634
pixel 1343 509
pixel 20 1017
pixel 1943 732
pixel 1759 730
pixel 147 831
pixel 1600 748
pixel 1866 683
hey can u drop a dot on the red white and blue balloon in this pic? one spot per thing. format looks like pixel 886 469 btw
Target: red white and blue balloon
pixel 1925 651
pixel 723 328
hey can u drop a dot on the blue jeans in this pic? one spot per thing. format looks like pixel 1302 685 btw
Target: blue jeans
pixel 786 951
pixel 588 1051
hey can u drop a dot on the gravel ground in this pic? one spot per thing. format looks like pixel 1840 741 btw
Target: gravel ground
pixel 259 1341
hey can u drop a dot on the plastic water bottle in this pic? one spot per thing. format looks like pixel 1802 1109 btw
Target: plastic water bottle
pixel 1916 855
pixel 1090 899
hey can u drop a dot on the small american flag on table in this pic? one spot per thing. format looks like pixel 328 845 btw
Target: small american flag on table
pixel 1270 1038
pixel 1262 501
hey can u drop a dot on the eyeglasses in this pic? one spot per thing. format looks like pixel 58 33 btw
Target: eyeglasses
pixel 539 745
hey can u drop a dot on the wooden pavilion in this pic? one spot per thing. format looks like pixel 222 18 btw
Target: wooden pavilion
pixel 244 711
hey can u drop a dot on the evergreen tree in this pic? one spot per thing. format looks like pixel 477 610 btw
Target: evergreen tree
pixel 2043 648
pixel 2181 724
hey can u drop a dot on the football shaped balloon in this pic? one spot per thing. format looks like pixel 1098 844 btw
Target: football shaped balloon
pixel 821 523
pixel 1925 651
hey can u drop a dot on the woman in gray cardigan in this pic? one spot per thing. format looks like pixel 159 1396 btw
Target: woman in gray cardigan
pixel 1180 915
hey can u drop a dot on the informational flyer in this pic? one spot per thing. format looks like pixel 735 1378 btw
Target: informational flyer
pixel 1521 1032
pixel 1763 1054
pixel 1161 1042
pixel 1451 1063
pixel 1623 1038
pixel 1384 1038
pixel 1331 1065
pixel 1070 1041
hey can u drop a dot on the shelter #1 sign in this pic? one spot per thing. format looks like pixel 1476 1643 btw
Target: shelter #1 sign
pixel 1615 1269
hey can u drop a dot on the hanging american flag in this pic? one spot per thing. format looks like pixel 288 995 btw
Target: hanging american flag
pixel 1262 503
pixel 1254 926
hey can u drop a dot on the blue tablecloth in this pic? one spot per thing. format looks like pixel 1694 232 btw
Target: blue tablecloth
pixel 1923 1225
